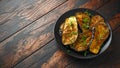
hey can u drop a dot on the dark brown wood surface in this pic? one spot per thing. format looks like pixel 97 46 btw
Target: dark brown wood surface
pixel 27 34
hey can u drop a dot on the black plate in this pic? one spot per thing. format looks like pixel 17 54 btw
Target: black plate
pixel 68 50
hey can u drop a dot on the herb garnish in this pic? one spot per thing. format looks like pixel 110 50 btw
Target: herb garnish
pixel 88 13
pixel 84 40
pixel 75 33
pixel 86 20
pixel 85 26
pixel 85 53
pixel 71 23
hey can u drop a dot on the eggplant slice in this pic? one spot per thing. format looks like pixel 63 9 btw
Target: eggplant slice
pixel 83 41
pixel 101 34
pixel 83 20
pixel 69 30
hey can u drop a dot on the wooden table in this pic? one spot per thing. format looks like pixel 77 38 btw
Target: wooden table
pixel 27 38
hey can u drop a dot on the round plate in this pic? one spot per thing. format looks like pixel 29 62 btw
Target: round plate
pixel 68 50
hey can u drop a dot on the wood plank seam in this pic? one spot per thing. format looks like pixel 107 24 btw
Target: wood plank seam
pixel 118 27
pixel 102 4
pixel 32 22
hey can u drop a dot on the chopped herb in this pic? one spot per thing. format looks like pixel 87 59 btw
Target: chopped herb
pixel 84 43
pixel 85 53
pixel 85 26
pixel 71 23
pixel 86 20
pixel 75 33
pixel 84 38
pixel 86 12
pixel 90 14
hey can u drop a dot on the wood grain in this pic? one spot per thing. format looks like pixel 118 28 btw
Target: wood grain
pixel 94 4
pixel 50 55
pixel 26 41
pixel 110 9
pixel 115 21
pixel 57 56
pixel 16 15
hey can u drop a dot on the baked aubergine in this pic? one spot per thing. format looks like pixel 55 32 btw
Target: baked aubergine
pixel 83 41
pixel 101 34
pixel 83 20
pixel 69 30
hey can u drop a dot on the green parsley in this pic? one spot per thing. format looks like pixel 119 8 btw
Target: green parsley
pixel 84 38
pixel 85 53
pixel 86 20
pixel 75 33
pixel 85 26
pixel 84 43
pixel 86 12
pixel 71 23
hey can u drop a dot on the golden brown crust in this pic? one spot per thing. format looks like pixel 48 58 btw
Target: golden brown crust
pixel 82 42
pixel 69 31
pixel 101 34
pixel 83 20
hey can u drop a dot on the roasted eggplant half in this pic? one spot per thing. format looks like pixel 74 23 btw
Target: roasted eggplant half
pixel 69 30
pixel 83 41
pixel 101 34
pixel 83 20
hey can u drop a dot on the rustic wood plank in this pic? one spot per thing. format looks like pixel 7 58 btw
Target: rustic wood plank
pixel 43 56
pixel 26 41
pixel 115 21
pixel 94 4
pixel 22 44
pixel 110 9
pixel 49 60
pixel 17 14
pixel 109 59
